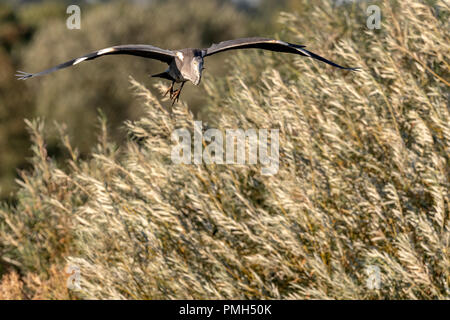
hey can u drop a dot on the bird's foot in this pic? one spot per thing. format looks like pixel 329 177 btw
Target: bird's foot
pixel 169 90
pixel 176 96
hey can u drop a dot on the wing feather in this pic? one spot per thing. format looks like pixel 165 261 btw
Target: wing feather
pixel 268 44
pixel 253 43
pixel 141 50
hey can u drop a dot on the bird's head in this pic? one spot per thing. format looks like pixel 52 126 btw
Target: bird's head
pixel 196 70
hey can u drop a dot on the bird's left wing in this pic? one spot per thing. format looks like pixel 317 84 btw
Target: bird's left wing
pixel 267 44
pixel 141 50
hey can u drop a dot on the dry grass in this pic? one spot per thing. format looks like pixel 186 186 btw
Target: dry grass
pixel 363 180
pixel 32 286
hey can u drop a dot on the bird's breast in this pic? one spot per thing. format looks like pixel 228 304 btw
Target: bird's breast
pixel 175 73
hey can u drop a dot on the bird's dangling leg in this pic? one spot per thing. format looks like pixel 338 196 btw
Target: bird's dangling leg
pixel 176 94
pixel 170 90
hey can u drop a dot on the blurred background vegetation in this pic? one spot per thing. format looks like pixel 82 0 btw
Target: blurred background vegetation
pixel 33 37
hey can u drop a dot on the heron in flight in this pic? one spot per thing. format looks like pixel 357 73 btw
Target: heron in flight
pixel 186 64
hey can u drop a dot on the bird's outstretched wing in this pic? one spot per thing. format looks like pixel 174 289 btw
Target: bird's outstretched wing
pixel 267 44
pixel 141 50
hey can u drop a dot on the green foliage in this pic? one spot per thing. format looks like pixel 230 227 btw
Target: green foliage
pixel 13 103
pixel 363 179
pixel 40 13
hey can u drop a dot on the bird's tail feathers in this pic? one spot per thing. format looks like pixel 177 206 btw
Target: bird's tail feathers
pixel 164 75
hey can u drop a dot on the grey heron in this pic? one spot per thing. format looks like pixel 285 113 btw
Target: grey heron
pixel 187 64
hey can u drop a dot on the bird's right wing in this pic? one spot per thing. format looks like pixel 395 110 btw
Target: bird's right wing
pixel 254 43
pixel 141 50
pixel 267 44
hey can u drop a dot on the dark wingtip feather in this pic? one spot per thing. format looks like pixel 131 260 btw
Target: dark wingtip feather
pixel 21 75
pixel 317 57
